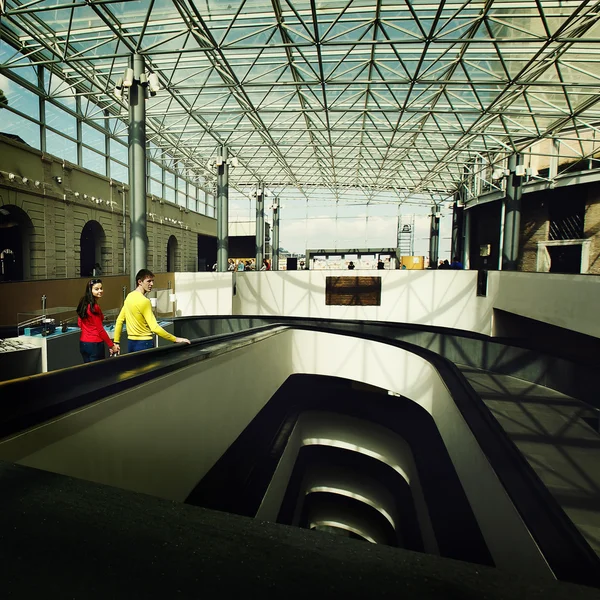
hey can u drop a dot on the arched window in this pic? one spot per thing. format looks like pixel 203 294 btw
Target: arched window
pixel 16 230
pixel 172 248
pixel 90 249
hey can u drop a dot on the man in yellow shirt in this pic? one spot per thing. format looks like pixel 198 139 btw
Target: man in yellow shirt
pixel 141 322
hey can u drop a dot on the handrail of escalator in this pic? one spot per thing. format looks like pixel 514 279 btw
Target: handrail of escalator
pixel 581 370
pixel 555 351
pixel 568 554
pixel 28 401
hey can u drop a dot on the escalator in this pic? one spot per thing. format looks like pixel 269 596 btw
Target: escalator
pixel 241 455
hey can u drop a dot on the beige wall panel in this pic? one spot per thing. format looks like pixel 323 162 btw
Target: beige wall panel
pixel 59 212
pixel 592 230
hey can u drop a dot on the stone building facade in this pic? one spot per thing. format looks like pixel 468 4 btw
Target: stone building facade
pixel 52 203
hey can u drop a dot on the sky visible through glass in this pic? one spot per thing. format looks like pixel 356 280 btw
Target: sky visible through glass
pixel 342 108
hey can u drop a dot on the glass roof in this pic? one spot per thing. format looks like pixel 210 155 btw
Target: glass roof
pixel 390 95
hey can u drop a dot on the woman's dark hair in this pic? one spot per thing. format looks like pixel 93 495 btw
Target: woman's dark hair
pixel 87 299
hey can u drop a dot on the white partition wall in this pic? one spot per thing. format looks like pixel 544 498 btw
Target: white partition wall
pixel 569 301
pixel 441 298
pixel 438 298
pixel 200 294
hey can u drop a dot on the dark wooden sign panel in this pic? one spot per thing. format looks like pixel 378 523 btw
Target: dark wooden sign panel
pixel 353 291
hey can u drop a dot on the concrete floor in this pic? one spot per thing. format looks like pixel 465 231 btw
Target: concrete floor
pixel 68 538
pixel 548 428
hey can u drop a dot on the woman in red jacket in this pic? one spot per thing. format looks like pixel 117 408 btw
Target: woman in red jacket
pixel 93 335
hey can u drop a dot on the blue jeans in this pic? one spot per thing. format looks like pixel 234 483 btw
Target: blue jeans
pixel 136 345
pixel 92 351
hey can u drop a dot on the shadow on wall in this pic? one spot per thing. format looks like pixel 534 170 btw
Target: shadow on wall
pixel 204 293
pixel 542 363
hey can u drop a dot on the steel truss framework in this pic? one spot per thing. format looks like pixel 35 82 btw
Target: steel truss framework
pixel 405 96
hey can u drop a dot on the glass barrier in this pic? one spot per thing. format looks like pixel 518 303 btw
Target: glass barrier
pixel 48 322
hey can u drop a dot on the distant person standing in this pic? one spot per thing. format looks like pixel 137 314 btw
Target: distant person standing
pixel 139 318
pixel 91 322
pixel 351 266
pixel 456 264
pixel 380 264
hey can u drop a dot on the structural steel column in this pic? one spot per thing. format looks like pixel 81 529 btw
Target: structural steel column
pixel 275 243
pixel 138 245
pixel 434 238
pixel 466 232
pixel 222 211
pixel 466 240
pixel 260 225
pixel 512 216
pixel 457 229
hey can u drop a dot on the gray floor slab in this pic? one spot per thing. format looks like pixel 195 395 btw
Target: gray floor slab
pixel 548 428
pixel 63 538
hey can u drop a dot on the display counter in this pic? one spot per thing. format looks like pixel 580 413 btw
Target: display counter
pixel 49 340
pixel 54 332
pixel 59 350
pixel 19 359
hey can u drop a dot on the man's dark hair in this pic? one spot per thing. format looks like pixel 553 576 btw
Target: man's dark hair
pixel 143 274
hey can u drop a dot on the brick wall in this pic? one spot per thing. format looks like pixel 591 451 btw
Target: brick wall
pixel 534 229
pixel 535 223
pixel 591 228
